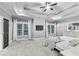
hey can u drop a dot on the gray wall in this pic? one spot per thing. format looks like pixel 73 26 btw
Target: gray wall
pixel 5 15
pixel 38 21
pixel 62 26
pixel 10 25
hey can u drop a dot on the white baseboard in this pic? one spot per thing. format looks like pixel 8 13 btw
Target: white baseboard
pixel 39 38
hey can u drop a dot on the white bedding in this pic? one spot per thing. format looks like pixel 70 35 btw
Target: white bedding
pixel 63 45
pixel 74 51
pixel 67 43
pixel 66 38
pixel 51 42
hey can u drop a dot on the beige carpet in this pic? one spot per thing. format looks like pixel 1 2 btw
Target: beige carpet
pixel 28 48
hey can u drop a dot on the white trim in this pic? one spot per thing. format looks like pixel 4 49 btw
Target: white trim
pixel 47 23
pixel 29 29
pixel 15 29
pixel 1 34
pixel 39 38
pixel 22 28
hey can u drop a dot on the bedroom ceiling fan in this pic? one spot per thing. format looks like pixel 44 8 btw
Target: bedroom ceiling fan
pixel 48 5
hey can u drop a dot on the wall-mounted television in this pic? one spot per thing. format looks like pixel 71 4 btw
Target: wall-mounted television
pixel 39 27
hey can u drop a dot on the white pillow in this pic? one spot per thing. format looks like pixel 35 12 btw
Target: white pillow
pixel 66 38
pixel 57 39
pixel 74 42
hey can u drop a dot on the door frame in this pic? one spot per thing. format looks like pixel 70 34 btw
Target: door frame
pixel 48 23
pixel 15 29
pixel 4 33
pixel 22 28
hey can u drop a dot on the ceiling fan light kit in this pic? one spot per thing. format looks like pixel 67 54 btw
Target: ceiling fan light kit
pixel 56 17
pixel 48 5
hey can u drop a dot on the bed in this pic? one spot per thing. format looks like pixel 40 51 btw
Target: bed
pixel 74 51
pixel 61 43
pixel 61 46
pixel 66 43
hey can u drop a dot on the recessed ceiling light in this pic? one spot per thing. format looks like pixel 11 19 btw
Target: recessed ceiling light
pixel 56 17
pixel 18 10
pixel 21 14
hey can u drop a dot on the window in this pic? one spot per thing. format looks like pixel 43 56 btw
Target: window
pixel 19 29
pixel 22 29
pixel 50 29
pixel 25 29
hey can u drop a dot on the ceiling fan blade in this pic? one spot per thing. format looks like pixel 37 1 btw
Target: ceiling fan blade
pixel 45 10
pixel 25 8
pixel 53 4
pixel 46 3
pixel 42 7
pixel 51 9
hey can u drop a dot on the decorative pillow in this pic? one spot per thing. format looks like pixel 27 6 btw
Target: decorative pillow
pixel 74 42
pixel 66 38
pixel 57 39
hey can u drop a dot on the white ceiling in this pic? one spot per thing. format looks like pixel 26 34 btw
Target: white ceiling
pixel 63 9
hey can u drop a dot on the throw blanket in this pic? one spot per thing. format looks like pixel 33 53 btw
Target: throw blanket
pixel 51 42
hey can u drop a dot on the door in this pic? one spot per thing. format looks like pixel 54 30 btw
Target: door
pixel 6 33
pixel 51 30
pixel 22 30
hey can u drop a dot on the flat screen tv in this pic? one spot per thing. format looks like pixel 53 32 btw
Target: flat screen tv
pixel 39 27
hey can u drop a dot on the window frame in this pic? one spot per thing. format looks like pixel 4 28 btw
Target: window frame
pixel 22 28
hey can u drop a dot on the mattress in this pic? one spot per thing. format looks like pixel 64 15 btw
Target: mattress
pixel 74 51
pixel 66 38
pixel 64 45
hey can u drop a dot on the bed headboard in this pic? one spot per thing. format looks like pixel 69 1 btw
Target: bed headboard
pixel 71 33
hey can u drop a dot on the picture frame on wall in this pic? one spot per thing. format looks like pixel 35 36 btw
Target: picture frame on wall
pixel 39 27
pixel 73 26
